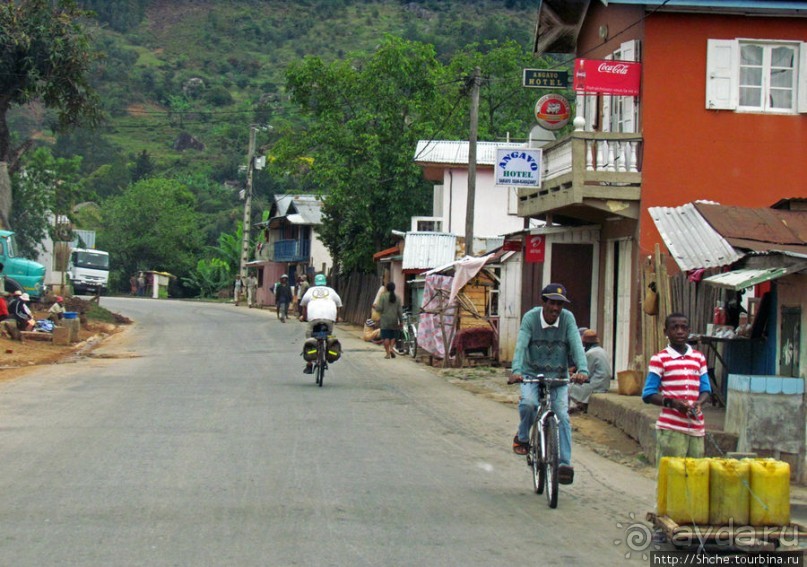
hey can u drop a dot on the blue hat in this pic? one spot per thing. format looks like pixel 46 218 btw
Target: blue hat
pixel 555 291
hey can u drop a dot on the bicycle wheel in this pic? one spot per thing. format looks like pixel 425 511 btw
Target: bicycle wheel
pixel 551 464
pixel 413 341
pixel 321 364
pixel 534 458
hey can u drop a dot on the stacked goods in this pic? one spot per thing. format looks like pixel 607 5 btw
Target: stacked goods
pixel 724 491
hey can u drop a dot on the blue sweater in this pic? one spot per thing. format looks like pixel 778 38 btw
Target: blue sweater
pixel 548 351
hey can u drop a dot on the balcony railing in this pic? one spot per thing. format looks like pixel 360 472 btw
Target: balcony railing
pixel 599 170
pixel 292 251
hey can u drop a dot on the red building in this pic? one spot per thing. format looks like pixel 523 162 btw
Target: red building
pixel 721 115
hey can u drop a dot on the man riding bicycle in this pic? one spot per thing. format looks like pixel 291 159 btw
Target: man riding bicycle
pixel 547 341
pixel 319 304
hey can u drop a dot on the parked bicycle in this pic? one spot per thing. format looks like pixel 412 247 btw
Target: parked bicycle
pixel 543 453
pixel 407 342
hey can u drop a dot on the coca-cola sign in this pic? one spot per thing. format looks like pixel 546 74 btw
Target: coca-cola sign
pixel 612 77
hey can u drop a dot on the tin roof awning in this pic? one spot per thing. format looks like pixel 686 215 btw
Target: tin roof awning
pixel 747 277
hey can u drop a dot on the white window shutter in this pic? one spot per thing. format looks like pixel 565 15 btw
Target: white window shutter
pixel 606 109
pixel 628 53
pixel 802 78
pixel 722 91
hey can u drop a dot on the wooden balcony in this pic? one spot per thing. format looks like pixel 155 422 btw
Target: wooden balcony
pixel 292 251
pixel 588 177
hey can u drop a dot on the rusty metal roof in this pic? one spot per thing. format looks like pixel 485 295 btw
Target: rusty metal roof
pixel 758 229
pixel 691 240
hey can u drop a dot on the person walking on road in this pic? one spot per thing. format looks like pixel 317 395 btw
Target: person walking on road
pixel 252 288
pixel 237 289
pixel 389 307
pixel 283 298
pixel 547 341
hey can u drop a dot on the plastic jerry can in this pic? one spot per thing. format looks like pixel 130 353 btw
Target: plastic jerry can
pixel 770 492
pixel 688 491
pixel 661 486
pixel 729 492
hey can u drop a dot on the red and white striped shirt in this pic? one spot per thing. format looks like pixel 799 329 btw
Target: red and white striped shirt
pixel 680 379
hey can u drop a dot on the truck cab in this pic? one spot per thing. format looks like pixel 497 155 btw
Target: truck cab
pixel 88 270
pixel 18 273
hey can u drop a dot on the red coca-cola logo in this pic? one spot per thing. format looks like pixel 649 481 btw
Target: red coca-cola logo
pixel 613 68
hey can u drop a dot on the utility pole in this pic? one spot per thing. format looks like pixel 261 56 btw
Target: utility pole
pixel 248 203
pixel 469 211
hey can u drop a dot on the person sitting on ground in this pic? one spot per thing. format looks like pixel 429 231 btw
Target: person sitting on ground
pixel 547 341
pixel 599 373
pixel 320 305
pixel 56 311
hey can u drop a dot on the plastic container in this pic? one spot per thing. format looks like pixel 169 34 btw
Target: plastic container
pixel 70 315
pixel 729 492
pixel 770 492
pixel 688 490
pixel 661 486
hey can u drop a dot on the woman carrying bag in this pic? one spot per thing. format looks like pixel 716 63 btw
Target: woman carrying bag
pixel 389 307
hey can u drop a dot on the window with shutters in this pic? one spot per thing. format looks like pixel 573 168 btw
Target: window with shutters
pixel 767 76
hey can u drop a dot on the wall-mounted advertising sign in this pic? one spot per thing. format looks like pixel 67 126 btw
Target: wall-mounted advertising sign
pixel 534 248
pixel 552 112
pixel 545 79
pixel 519 167
pixel 621 78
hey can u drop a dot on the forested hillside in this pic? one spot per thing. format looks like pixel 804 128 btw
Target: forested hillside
pixel 181 81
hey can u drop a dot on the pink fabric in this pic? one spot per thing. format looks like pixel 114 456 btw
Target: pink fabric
pixel 435 300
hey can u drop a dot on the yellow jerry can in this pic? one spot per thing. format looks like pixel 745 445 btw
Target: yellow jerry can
pixel 729 492
pixel 688 491
pixel 770 492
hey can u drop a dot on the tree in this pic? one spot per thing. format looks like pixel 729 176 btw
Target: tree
pixel 142 167
pixel 46 55
pixel 152 226
pixel 45 190
pixel 367 112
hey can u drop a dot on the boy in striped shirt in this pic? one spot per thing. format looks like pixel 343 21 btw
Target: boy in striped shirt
pixel 678 381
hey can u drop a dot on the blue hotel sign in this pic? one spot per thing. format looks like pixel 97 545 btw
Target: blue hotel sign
pixel 546 79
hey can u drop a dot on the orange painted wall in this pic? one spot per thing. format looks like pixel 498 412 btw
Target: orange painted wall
pixel 692 153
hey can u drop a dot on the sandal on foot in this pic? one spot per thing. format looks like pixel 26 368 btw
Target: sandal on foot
pixel 519 447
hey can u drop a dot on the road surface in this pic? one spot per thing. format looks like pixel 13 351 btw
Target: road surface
pixel 195 439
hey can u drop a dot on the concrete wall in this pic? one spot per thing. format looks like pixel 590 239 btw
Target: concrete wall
pixel 767 414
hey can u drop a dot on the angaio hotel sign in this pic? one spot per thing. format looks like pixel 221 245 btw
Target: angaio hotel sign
pixel 519 167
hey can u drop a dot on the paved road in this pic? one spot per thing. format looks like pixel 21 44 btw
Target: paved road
pixel 194 439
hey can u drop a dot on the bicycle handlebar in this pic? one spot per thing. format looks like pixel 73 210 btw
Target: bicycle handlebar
pixel 541 379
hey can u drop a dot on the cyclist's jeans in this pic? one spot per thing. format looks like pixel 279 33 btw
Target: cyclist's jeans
pixel 528 407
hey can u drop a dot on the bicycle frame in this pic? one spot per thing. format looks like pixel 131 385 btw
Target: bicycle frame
pixel 543 456
pixel 321 364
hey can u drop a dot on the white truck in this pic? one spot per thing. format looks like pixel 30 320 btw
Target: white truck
pixel 88 270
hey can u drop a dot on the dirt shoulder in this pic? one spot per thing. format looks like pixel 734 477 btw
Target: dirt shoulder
pixel 17 358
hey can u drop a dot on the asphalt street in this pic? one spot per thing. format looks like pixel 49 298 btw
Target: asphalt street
pixel 194 438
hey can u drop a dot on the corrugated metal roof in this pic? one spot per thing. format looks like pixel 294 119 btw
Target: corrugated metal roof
pixel 741 279
pixel 297 209
pixel 692 241
pixel 425 250
pixel 456 153
pixel 758 229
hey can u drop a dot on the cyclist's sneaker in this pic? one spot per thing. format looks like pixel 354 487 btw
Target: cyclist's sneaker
pixel 565 474
pixel 308 370
pixel 520 447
